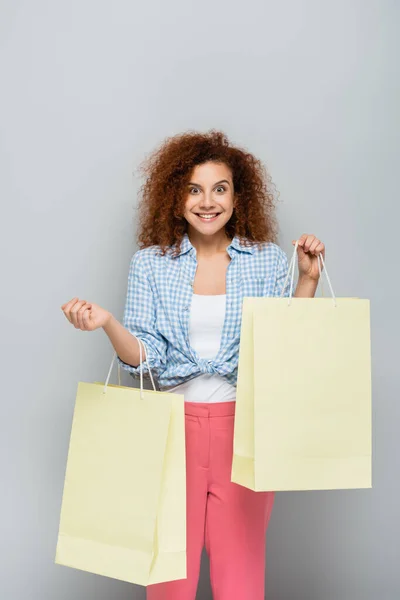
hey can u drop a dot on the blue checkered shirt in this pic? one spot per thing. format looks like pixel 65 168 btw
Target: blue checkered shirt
pixel 158 304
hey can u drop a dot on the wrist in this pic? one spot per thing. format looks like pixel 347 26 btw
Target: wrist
pixel 108 322
pixel 304 278
pixel 306 287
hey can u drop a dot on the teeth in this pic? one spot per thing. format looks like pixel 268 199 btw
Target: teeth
pixel 208 216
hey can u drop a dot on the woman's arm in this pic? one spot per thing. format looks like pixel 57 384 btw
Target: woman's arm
pixel 308 250
pixel 125 344
pixel 306 285
pixel 306 288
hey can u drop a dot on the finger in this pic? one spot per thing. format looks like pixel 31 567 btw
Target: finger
pixel 68 304
pixel 308 242
pixel 314 245
pixel 320 249
pixel 74 312
pixel 67 316
pixel 305 241
pixel 86 318
pixel 79 316
pixel 67 308
pixel 300 244
pixel 81 313
pixel 302 239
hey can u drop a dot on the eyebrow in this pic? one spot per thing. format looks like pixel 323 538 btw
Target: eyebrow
pixel 198 185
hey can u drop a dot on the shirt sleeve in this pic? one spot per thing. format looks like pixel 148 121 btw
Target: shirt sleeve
pixel 281 273
pixel 140 318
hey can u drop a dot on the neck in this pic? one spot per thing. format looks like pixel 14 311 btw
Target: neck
pixel 208 245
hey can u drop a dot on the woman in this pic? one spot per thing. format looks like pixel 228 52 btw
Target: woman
pixel 208 238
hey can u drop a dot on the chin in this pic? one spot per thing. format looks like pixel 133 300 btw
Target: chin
pixel 207 230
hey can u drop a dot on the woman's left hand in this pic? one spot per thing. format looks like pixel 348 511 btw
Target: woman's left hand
pixel 307 252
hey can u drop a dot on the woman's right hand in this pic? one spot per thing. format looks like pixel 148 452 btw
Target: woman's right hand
pixel 86 316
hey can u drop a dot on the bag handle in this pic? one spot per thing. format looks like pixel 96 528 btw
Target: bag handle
pixel 291 268
pixel 140 342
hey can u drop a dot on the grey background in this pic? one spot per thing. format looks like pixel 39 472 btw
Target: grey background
pixel 88 88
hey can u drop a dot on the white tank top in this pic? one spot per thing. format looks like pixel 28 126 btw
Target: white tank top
pixel 207 316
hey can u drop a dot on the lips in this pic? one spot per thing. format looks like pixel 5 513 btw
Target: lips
pixel 207 218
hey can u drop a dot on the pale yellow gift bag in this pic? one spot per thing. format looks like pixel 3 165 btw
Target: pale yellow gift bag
pixel 123 512
pixel 303 405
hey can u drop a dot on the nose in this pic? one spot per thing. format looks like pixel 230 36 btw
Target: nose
pixel 207 200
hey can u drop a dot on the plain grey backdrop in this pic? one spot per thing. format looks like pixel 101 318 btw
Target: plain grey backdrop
pixel 88 88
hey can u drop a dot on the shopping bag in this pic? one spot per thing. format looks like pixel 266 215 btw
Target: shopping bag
pixel 303 403
pixel 123 512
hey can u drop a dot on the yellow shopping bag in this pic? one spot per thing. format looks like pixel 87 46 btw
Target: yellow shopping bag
pixel 123 512
pixel 303 405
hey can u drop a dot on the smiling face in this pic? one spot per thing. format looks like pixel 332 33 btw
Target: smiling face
pixel 209 199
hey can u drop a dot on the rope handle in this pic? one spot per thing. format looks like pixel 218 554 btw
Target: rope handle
pixel 140 342
pixel 291 269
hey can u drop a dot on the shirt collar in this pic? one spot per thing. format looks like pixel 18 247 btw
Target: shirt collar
pixel 236 243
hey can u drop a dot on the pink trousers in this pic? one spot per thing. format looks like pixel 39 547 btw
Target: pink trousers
pixel 230 520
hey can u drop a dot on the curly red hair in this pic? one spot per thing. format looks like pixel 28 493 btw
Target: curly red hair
pixel 167 171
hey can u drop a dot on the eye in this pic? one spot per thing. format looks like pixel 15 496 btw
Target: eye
pixel 221 187
pixel 192 189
